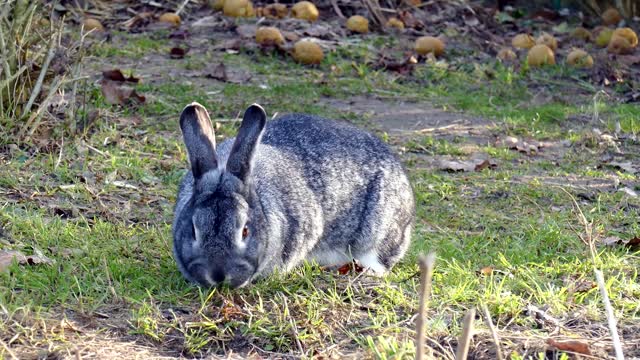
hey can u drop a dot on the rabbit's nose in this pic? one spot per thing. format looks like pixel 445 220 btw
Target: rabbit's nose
pixel 218 276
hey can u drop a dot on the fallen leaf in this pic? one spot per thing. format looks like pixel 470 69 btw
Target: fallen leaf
pixel 617 241
pixel 231 311
pixel 117 75
pixel 466 166
pixel 8 256
pixel 520 145
pixel 409 20
pixel 403 67
pixel 177 53
pixel 220 72
pixel 583 286
pixel 574 346
pixel 116 94
pixel 350 267
pixel 576 284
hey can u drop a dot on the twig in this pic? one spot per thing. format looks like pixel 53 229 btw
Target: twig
pixel 374 8
pixel 71 114
pixel 98 151
pixel 611 319
pixel 11 354
pixel 34 120
pixel 336 8
pixel 293 325
pixel 184 3
pixel 43 72
pixel 546 317
pixel 467 333
pixel 426 271
pixel 590 241
pixel 60 154
pixel 494 333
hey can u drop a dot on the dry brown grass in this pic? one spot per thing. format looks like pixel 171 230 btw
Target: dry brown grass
pixel 34 65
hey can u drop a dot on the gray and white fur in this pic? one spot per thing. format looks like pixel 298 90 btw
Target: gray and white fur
pixel 296 188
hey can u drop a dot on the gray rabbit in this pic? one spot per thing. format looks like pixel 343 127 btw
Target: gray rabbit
pixel 296 188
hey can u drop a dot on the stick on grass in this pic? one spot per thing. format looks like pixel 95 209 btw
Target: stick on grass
pixel 494 333
pixel 426 271
pixel 613 328
pixel 467 333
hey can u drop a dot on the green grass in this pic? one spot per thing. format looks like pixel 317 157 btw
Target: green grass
pixel 102 206
pixel 134 47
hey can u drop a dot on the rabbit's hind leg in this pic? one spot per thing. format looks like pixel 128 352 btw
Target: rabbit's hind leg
pixel 371 264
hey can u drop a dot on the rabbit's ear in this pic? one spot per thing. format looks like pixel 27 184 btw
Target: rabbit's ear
pixel 253 122
pixel 199 139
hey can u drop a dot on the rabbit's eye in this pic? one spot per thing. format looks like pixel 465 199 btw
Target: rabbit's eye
pixel 245 232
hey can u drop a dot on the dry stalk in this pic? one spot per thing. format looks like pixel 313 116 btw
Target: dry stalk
pixel 184 3
pixel 8 350
pixel 611 318
pixel 467 334
pixel 590 240
pixel 43 72
pixel 426 272
pixel 294 328
pixel 374 8
pixel 336 8
pixel 23 100
pixel 494 333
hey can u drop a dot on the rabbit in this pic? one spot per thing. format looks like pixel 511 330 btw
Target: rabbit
pixel 296 188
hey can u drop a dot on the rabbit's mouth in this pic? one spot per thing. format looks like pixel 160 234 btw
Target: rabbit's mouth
pixel 210 276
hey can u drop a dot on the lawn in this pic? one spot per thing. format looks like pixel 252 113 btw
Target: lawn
pixel 521 236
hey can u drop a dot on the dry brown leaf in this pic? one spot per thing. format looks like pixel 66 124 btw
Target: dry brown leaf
pixel 8 256
pixel 409 20
pixel 467 165
pixel 116 94
pixel 520 145
pixel 350 267
pixel 231 311
pixel 616 241
pixel 574 346
pixel 583 286
pixel 117 75
pixel 405 66
pixel 177 53
pixel 221 73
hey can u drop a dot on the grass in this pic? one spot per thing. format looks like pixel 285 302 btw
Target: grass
pixel 507 237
